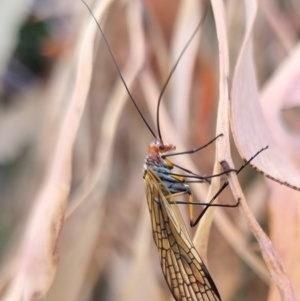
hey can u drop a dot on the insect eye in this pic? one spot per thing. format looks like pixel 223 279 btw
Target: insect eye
pixel 161 147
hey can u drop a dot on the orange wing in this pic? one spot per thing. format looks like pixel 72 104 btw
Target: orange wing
pixel 184 270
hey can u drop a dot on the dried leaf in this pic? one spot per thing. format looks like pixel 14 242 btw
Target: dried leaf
pixel 248 125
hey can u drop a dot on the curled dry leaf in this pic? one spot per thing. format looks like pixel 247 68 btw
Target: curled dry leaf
pixel 248 125
pixel 222 149
pixel 80 233
pixel 37 255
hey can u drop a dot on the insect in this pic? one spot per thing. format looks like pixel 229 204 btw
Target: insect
pixel 184 270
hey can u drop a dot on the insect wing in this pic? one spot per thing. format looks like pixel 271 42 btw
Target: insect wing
pixel 184 270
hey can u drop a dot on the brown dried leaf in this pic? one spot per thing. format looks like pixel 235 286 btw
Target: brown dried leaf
pixel 247 121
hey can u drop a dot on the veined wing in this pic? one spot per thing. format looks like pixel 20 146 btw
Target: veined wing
pixel 184 270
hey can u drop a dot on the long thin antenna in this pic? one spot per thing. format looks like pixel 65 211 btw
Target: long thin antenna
pixel 174 68
pixel 118 69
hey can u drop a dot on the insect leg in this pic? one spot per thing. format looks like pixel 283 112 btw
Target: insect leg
pixel 205 178
pixel 209 204
pixel 191 203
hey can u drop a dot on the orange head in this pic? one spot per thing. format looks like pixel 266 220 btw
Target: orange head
pixel 157 147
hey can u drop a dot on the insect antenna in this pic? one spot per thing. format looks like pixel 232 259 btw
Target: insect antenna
pixel 175 66
pixel 118 69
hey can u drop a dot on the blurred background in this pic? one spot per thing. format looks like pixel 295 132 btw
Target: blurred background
pixel 105 249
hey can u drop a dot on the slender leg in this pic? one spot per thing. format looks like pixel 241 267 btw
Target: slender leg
pixel 210 203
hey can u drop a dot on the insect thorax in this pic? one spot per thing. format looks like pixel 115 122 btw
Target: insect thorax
pixel 163 170
pixel 157 164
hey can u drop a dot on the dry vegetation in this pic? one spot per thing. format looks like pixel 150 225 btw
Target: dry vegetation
pixel 74 222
